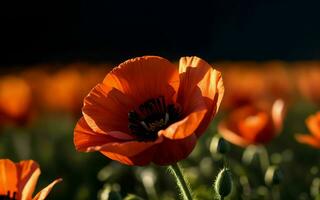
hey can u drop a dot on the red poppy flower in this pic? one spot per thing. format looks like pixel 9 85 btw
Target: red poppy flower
pixel 15 100
pixel 18 180
pixel 65 86
pixel 253 124
pixel 308 79
pixel 313 124
pixel 245 85
pixel 145 110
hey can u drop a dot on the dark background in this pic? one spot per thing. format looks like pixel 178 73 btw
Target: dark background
pixel 48 31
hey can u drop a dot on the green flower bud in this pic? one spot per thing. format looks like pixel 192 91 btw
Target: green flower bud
pixel 273 176
pixel 219 145
pixel 223 183
pixel 250 156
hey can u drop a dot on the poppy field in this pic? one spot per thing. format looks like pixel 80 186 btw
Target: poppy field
pixel 153 129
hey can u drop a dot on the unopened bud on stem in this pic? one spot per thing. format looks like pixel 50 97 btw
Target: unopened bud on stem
pixel 223 183
pixel 273 176
pixel 219 145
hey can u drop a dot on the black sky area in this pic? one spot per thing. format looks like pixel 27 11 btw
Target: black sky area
pixel 65 31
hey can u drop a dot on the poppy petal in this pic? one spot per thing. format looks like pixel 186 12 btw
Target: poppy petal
pixel 164 153
pixel 197 73
pixel 8 176
pixel 129 149
pixel 106 109
pixel 171 151
pixel 28 174
pixel 252 127
pixel 308 139
pixel 144 78
pixel 232 137
pixel 313 123
pixel 142 159
pixel 196 110
pixel 85 139
pixel 45 191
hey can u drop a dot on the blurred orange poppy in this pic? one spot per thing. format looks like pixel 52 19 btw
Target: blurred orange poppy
pixel 145 110
pixel 277 80
pixel 61 91
pixel 313 124
pixel 18 180
pixel 308 79
pixel 245 85
pixel 15 100
pixel 253 124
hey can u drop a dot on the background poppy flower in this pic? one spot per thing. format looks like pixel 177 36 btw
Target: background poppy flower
pixel 313 124
pixel 146 110
pixel 245 90
pixel 251 82
pixel 15 100
pixel 308 79
pixel 253 124
pixel 18 180
pixel 61 91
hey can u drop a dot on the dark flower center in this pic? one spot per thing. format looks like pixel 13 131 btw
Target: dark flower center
pixel 152 116
pixel 8 196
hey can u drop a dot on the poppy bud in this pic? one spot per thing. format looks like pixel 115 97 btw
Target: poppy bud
pixel 250 156
pixel 223 183
pixel 273 176
pixel 219 145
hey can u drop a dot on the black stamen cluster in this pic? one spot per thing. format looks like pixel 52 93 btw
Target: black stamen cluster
pixel 152 116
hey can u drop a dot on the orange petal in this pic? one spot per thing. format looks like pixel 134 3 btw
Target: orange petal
pixel 28 174
pixel 313 123
pixel 172 151
pixel 45 191
pixel 15 96
pixel 195 110
pixel 165 153
pixel 196 73
pixel 120 158
pixel 308 139
pixel 144 78
pixel 142 159
pixel 8 177
pixel 253 125
pixel 129 149
pixel 86 140
pixel 231 136
pixel 106 109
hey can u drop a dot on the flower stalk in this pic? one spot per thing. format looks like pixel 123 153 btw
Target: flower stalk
pixel 181 181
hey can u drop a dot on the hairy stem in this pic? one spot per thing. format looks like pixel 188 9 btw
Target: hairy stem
pixel 182 183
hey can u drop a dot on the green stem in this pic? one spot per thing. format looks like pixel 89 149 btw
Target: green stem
pixel 182 183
